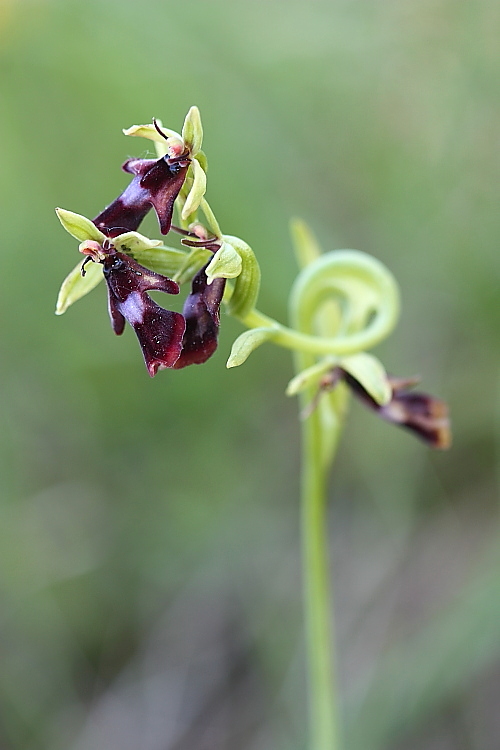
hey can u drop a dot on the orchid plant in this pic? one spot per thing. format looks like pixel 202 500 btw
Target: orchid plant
pixel 342 304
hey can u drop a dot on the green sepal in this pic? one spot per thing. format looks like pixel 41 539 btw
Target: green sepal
pixel 134 242
pixel 247 285
pixel 193 262
pixel 370 374
pixel 247 342
pixel 192 131
pixel 79 226
pixel 164 260
pixel 76 286
pixel 197 191
pixel 226 263
pixel 305 244
pixel 311 376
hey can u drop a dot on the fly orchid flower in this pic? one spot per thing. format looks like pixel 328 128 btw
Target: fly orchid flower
pixel 160 332
pixel 158 182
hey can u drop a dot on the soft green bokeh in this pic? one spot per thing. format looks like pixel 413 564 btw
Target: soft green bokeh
pixel 149 561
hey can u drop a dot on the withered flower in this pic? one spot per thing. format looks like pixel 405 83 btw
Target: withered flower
pixel 422 414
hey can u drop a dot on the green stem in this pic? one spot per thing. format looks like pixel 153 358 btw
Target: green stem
pixel 323 709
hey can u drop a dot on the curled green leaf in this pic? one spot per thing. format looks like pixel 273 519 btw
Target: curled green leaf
pixel 246 343
pixel 79 226
pixel 247 285
pixel 192 131
pixel 197 191
pixel 226 263
pixel 76 286
pixel 370 373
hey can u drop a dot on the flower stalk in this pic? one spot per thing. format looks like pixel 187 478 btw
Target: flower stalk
pixel 324 725
pixel 342 304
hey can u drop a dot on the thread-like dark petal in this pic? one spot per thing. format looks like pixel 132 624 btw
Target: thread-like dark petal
pixel 160 332
pixel 201 311
pixel 425 416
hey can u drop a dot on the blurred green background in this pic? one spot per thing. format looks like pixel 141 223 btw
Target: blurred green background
pixel 149 555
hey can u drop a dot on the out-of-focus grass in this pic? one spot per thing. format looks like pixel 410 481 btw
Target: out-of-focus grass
pixel 149 568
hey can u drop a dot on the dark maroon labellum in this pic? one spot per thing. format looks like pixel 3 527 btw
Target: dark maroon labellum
pixel 160 332
pixel 156 184
pixel 201 311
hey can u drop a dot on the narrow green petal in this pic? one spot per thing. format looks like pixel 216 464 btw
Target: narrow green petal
pixel 134 242
pixel 150 132
pixel 75 285
pixel 226 264
pixel 197 191
pixel 79 226
pixel 370 374
pixel 247 342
